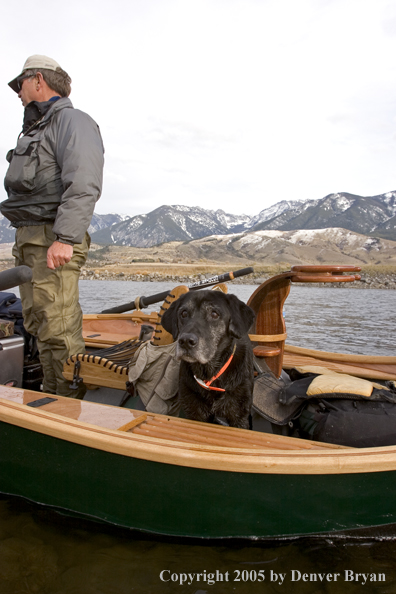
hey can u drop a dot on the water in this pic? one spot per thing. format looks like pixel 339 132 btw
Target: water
pixel 358 321
pixel 45 553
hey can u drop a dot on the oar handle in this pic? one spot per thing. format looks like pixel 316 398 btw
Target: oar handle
pixel 207 282
pixel 15 277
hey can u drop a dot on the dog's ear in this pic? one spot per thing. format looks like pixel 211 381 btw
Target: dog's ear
pixel 169 319
pixel 242 316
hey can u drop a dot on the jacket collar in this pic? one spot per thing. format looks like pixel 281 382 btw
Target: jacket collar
pixel 36 111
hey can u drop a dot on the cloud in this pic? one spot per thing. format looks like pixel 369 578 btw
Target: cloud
pixel 231 104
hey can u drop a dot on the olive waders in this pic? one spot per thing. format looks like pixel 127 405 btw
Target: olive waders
pixel 50 304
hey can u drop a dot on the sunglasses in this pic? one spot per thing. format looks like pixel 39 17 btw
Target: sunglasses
pixel 20 79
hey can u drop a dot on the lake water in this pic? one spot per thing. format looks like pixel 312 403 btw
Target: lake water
pixel 45 553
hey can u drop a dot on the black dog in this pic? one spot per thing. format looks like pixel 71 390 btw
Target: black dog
pixel 216 368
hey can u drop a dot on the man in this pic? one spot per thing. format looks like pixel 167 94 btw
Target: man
pixel 53 181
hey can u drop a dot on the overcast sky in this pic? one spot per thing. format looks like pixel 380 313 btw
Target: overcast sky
pixel 224 104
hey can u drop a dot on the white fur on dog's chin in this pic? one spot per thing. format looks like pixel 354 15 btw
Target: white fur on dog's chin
pixel 181 354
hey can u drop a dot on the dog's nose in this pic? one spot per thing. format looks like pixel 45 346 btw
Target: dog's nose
pixel 188 341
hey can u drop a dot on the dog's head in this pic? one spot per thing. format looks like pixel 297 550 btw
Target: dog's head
pixel 204 322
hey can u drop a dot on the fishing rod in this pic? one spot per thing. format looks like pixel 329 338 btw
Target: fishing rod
pixel 141 302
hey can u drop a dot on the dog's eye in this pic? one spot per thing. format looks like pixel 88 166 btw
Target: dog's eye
pixel 183 313
pixel 214 315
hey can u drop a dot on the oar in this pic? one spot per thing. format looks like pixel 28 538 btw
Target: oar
pixel 15 277
pixel 207 282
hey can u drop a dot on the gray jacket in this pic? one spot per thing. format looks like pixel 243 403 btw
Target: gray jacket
pixel 55 173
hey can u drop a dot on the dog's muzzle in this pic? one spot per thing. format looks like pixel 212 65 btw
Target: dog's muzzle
pixel 186 346
pixel 188 341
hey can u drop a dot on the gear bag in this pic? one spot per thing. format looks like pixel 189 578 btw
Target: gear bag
pixel 11 309
pixel 329 407
pixel 154 372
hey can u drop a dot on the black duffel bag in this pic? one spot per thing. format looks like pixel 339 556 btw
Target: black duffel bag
pixel 338 417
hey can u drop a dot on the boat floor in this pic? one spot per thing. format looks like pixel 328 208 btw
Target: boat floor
pixel 102 331
pixel 159 427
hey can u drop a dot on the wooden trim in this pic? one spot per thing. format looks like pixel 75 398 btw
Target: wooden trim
pixel 266 351
pixel 134 317
pixel 267 337
pixel 98 375
pixel 313 268
pixel 133 423
pixel 324 274
pixel 324 278
pixel 190 432
pixel 371 372
pixel 234 432
pixel 342 358
pixel 323 461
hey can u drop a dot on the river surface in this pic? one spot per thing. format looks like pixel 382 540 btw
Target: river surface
pixel 359 321
pixel 44 553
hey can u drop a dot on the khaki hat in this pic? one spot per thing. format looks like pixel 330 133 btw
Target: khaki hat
pixel 35 61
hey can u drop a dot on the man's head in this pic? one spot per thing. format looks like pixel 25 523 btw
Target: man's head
pixel 41 78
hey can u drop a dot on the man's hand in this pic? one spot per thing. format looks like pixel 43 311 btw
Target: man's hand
pixel 59 254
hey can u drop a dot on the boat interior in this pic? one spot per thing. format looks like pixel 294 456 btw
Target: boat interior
pixel 112 339
pixel 165 428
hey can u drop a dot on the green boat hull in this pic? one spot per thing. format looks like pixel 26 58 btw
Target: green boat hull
pixel 189 502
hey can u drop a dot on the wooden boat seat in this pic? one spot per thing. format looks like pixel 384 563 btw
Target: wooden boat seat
pixel 102 369
pixel 269 329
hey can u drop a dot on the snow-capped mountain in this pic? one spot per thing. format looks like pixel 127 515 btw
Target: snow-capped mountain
pixel 170 223
pixel 99 222
pixel 372 215
pixel 367 215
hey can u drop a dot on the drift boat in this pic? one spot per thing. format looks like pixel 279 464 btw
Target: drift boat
pixel 172 476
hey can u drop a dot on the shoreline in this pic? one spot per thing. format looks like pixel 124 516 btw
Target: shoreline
pixel 187 273
pixel 368 281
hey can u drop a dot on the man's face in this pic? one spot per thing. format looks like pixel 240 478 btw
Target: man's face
pixel 28 91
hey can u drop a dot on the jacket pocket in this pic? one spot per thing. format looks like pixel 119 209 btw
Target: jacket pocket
pixel 21 173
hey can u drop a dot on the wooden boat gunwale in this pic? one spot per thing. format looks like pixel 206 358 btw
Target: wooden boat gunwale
pixel 341 357
pixel 220 458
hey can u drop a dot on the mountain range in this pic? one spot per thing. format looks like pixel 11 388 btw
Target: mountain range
pixel 308 246
pixel 373 216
